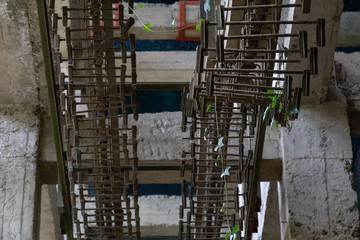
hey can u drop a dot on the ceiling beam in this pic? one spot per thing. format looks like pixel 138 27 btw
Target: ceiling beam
pixel 165 171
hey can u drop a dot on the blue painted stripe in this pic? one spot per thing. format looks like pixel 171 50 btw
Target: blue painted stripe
pixel 158 101
pixel 153 101
pixel 154 189
pixel 355 141
pixel 351 6
pixel 162 45
pixel 158 189
pixel 347 49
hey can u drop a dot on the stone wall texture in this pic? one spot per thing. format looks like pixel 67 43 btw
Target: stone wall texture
pixel 317 179
pixel 21 77
pixel 18 75
pixel 19 131
pixel 160 137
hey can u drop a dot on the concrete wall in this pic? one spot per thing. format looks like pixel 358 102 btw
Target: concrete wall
pixel 160 137
pixel 48 219
pixel 16 55
pixel 346 80
pixel 21 56
pixel 19 194
pixel 317 196
pixel 349 34
pixel 271 219
pixel 21 104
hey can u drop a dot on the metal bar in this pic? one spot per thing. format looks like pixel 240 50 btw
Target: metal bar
pixel 144 85
pixel 49 72
pixel 265 22
pixel 262 6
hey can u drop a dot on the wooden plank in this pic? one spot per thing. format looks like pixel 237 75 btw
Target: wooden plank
pixel 161 177
pixel 160 230
pixel 145 86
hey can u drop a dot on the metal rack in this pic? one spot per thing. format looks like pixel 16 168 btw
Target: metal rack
pixel 96 136
pixel 234 94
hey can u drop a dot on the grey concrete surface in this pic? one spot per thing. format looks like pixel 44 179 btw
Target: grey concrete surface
pixel 159 136
pixel 319 200
pixel 19 130
pixel 271 227
pixel 347 82
pixel 349 33
pixel 47 224
pixel 18 50
pixel 21 104
pixel 331 12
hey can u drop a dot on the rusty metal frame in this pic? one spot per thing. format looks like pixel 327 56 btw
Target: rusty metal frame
pixel 182 21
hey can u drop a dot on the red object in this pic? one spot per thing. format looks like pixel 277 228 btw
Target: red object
pixel 115 23
pixel 182 21
pixel 116 16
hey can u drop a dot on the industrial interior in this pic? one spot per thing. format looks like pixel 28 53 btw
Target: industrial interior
pixel 165 119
